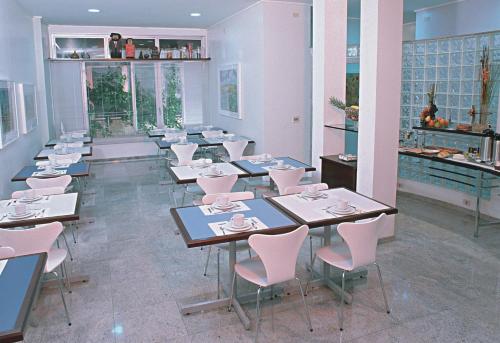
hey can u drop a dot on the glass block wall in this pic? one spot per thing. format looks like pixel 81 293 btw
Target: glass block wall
pixel 453 64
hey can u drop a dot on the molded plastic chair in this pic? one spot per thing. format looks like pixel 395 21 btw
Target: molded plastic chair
pixel 275 263
pixel 65 159
pixel 214 185
pixel 60 181
pixel 286 178
pixel 184 153
pixel 240 245
pixel 7 252
pixel 235 149
pixel 40 191
pixel 39 239
pixel 358 250
pixel 212 133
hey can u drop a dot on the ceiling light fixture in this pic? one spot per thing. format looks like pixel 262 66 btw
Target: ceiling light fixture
pixel 195 14
pixel 94 10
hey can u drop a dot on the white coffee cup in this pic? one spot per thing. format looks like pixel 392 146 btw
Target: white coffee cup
pixel 342 204
pixel 20 209
pixel 280 163
pixel 238 220
pixel 213 170
pixel 222 200
pixel 311 189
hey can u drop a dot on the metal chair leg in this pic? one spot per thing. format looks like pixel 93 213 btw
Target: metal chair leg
pixel 218 273
pixel 67 278
pixel 206 262
pixel 258 315
pixel 67 246
pixel 382 286
pixel 342 302
pixel 232 293
pixel 62 296
pixel 305 304
pixel 312 274
pixel 310 250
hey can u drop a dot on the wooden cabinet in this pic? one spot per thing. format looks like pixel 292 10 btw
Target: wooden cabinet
pixel 338 173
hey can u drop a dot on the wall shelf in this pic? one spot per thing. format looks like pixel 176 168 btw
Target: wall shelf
pixel 129 60
pixel 451 131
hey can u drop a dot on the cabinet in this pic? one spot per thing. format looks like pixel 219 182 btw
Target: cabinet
pixel 338 173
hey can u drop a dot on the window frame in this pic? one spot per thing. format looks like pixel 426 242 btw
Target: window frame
pixel 21 106
pixel 11 86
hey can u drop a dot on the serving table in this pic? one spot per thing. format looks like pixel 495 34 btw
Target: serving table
pixel 196 225
pixel 19 281
pixel 44 153
pixel 317 213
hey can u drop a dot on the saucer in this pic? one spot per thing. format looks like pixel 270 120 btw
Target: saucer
pixel 30 200
pixel 27 214
pixel 228 226
pixel 228 206
pixel 348 210
pixel 283 167
pixel 312 195
pixel 212 174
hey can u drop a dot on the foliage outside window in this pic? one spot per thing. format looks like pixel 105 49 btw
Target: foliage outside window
pixel 109 100
pixel 172 97
pixel 8 118
pixel 145 96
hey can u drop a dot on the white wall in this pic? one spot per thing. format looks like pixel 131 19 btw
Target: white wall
pixel 458 18
pixel 18 63
pixel 194 75
pixel 271 41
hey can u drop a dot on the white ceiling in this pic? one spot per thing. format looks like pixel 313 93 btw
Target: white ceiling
pixel 163 13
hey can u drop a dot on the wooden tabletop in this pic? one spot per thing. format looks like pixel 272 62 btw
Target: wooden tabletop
pixel 60 207
pixel 80 169
pixel 19 281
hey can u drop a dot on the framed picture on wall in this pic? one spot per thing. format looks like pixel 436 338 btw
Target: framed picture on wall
pixel 9 130
pixel 229 77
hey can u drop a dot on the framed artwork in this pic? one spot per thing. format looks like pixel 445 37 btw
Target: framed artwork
pixel 229 77
pixel 8 114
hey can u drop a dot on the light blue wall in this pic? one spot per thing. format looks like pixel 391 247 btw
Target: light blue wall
pixel 353 37
pixel 17 63
pixel 460 18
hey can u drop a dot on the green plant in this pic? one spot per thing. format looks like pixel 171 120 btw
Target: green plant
pixel 172 98
pixel 146 107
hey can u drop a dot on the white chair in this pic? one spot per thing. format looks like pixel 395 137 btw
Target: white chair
pixel 214 185
pixel 235 149
pixel 316 232
pixel 358 249
pixel 58 182
pixel 65 159
pixel 212 133
pixel 68 145
pixel 209 199
pixel 184 153
pixel 286 178
pixel 40 239
pixel 39 192
pixel 275 263
pixel 7 252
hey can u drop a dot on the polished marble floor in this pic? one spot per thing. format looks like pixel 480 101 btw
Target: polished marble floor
pixel 443 285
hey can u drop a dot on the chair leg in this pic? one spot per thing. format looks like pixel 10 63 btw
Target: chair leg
pixel 249 253
pixel 257 323
pixel 67 246
pixel 382 286
pixel 206 262
pixel 342 302
pixel 310 250
pixel 218 273
pixel 312 274
pixel 62 297
pixel 73 233
pixel 68 283
pixel 232 293
pixel 305 304
pixel 183 198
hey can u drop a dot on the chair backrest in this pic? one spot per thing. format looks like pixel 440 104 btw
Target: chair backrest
pixel 212 133
pixel 214 185
pixel 7 252
pixel 184 152
pixel 60 181
pixel 279 253
pixel 209 199
pixel 301 188
pixel 235 149
pixel 362 238
pixel 40 191
pixel 31 241
pixel 286 178
pixel 65 159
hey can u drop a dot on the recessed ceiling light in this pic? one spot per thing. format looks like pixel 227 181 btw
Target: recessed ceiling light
pixel 195 14
pixel 94 10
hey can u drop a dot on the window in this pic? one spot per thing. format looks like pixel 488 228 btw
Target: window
pixel 8 117
pixel 109 99
pixel 27 107
pixel 172 95
pixel 145 96
pixel 84 47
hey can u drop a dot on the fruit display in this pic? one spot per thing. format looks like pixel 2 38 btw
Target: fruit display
pixel 436 122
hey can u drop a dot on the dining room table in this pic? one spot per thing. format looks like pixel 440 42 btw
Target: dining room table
pixel 20 279
pixel 190 130
pixel 86 151
pixel 55 141
pixel 321 209
pixel 189 173
pixel 204 225
pixel 76 170
pixel 164 144
pixel 261 166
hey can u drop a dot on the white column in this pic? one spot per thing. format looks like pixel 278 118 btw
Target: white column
pixel 379 100
pixel 41 96
pixel 329 76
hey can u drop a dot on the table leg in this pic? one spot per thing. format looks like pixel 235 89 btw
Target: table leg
pixel 478 199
